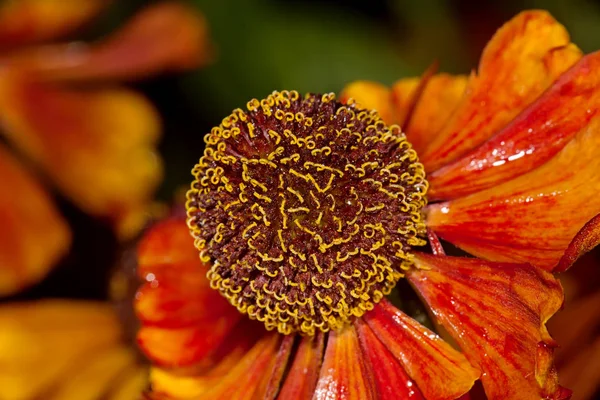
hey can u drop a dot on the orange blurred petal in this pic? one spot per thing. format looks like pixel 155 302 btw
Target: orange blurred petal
pixel 497 314
pixel 404 94
pixel 439 99
pixel 29 21
pixel 532 218
pixel 390 378
pixel 531 139
pixel 180 296
pixel 184 346
pixel 130 386
pixel 33 235
pixel 44 344
pixel 176 292
pixel 235 379
pixel 439 371
pixel 582 372
pixel 523 59
pixel 183 319
pixel 96 145
pixel 578 357
pixel 95 377
pixel 163 37
pixel 586 239
pixel 576 326
pixel 371 95
pixel 301 380
pixel 345 373
pixel 167 242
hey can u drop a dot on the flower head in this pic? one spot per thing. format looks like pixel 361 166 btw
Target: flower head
pixel 307 209
pixel 325 194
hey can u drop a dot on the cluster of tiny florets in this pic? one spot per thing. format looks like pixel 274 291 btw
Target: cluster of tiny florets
pixel 307 209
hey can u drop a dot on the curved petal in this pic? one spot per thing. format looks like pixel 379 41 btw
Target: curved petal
pixel 177 296
pixel 183 319
pixel 168 242
pixel 532 218
pixel 96 145
pixel 54 339
pixel 235 378
pixel 522 59
pixel 176 292
pixel 95 377
pixel 183 346
pixel 30 21
pixel 33 236
pixel 390 378
pixel 439 99
pixel 279 368
pixel 586 239
pixel 439 371
pixel 420 105
pixel 404 94
pixel 166 36
pixel 345 372
pixel 301 380
pixel 531 139
pixel 371 95
pixel 497 314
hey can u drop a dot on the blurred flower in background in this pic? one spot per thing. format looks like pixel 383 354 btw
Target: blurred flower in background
pixel 72 350
pixel 72 125
pixel 67 125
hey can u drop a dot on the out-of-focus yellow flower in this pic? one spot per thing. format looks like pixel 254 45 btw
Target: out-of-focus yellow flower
pixel 61 109
pixel 67 350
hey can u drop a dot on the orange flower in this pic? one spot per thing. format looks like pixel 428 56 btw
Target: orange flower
pixel 307 211
pixel 93 140
pixel 76 349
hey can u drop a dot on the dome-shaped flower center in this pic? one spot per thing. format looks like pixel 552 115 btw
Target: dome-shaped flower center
pixel 306 210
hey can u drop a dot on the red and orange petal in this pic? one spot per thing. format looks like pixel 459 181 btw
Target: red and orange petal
pixel 391 380
pixel 434 106
pixel 355 363
pixel 421 106
pixel 520 62
pixel 302 377
pixel 344 373
pixel 33 236
pixel 496 313
pixel 439 371
pixel 31 21
pixel 163 37
pixel 97 146
pixel 532 218
pixel 74 349
pixel 531 139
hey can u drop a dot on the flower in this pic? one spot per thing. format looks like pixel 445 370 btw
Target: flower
pixel 307 211
pixel 66 349
pixel 89 138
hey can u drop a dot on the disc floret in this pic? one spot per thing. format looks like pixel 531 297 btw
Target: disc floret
pixel 307 210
